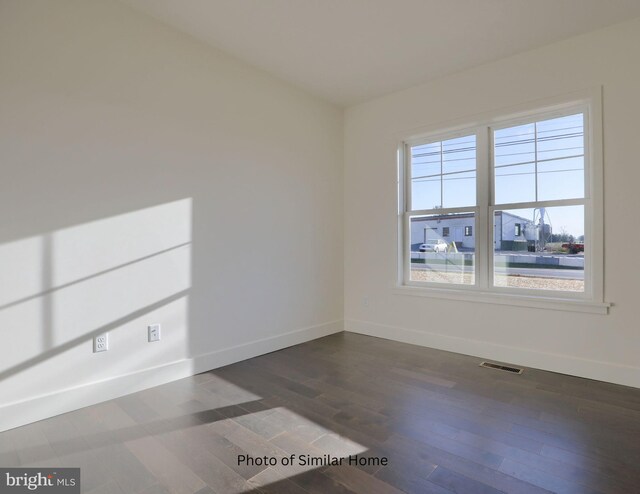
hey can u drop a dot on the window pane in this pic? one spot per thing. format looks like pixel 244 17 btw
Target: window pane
pixel 514 145
pixel 561 179
pixel 547 255
pixel 540 161
pixel 443 174
pixel 426 168
pixel 560 137
pixel 440 251
pixel 515 184
pixel 426 194
pixel 459 190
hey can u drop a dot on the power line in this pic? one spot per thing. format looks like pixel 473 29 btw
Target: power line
pixel 499 145
pixel 546 160
pixel 428 178
pixel 536 139
pixel 539 132
pixel 439 153
pixel 532 152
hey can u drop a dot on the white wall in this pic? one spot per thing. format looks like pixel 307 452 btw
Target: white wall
pixel 146 178
pixel 595 346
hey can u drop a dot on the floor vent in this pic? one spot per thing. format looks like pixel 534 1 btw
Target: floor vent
pixel 491 365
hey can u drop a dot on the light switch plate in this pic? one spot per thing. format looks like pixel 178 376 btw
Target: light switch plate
pixel 154 332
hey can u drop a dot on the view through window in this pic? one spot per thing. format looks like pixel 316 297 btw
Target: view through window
pixel 528 229
pixel 443 176
pixel 540 163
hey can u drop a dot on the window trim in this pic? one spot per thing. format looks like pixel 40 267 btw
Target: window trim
pixel 588 102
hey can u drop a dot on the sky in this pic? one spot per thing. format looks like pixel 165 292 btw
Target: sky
pixel 534 162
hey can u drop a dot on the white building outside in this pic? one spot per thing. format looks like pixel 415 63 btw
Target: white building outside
pixel 511 232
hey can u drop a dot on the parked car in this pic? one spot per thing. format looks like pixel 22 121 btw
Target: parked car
pixel 434 246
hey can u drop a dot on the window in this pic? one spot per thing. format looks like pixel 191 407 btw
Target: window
pixel 540 165
pixel 527 185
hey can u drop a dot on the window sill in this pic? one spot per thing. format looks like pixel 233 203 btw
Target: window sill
pixel 571 305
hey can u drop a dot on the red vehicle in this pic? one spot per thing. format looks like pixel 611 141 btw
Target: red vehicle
pixel 573 248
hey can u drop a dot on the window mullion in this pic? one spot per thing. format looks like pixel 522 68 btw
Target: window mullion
pixel 406 246
pixel 535 158
pixel 483 244
pixel 407 178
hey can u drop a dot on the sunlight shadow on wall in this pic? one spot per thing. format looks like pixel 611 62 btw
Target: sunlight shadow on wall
pixel 61 288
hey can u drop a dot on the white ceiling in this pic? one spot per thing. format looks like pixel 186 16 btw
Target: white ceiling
pixel 348 51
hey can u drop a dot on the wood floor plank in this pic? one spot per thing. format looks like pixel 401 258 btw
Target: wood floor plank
pixel 166 467
pixel 411 479
pixel 32 445
pixel 459 483
pixel 127 471
pixel 359 481
pixel 316 482
pixel 193 448
pixel 270 481
pixel 113 488
pixel 9 457
pixel 63 437
pixel 544 479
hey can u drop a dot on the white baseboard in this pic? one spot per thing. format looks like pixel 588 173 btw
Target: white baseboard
pixel 65 400
pixel 44 406
pixel 565 364
pixel 230 355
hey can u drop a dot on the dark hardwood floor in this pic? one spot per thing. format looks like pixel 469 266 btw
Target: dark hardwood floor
pixel 444 424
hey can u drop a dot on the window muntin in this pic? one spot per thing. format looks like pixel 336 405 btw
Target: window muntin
pixel 541 161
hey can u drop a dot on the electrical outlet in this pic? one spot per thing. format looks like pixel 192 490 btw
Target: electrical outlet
pixel 154 332
pixel 101 343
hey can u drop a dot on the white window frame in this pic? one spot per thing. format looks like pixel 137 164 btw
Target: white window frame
pixel 592 299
